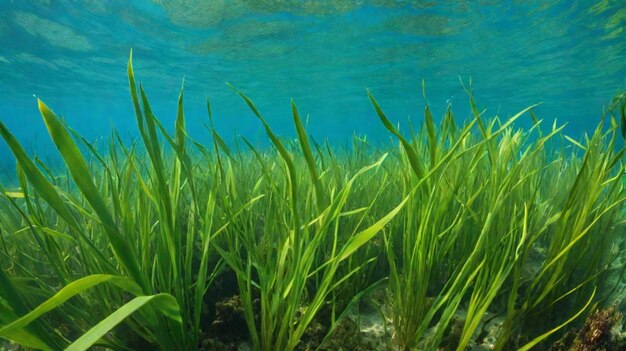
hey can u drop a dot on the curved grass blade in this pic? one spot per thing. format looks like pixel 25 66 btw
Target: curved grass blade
pixel 308 157
pixel 416 164
pixel 13 330
pixel 541 337
pixel 291 168
pixel 180 121
pixel 366 235
pixel 351 305
pixel 82 176
pixel 164 303
pixel 23 336
pixel 432 135
pixel 28 170
pixel 44 188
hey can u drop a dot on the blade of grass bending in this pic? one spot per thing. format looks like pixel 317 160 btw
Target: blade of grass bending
pixel 145 119
pixel 65 294
pixel 353 302
pixel 115 198
pixel 575 143
pixel 432 135
pixel 82 176
pixel 273 138
pixel 44 188
pixel 48 231
pixel 202 284
pixel 135 99
pixel 180 121
pixel 308 157
pixel 218 142
pixel 416 164
pixel 478 117
pixel 14 194
pixel 22 336
pixel 536 123
pixel 152 144
pixel 221 143
pixel 165 303
pixel 366 235
pixel 30 340
pixel 449 301
pixel 28 170
pixel 540 338
pixel 183 158
pixel 264 167
pixel 451 127
pixel 510 121
pixel 284 155
pixel 214 132
pixel 617 158
pixel 576 238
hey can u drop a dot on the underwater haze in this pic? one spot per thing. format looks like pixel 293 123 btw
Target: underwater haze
pixel 361 175
pixel 569 55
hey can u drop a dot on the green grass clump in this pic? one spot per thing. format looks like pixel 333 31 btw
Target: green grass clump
pixel 486 203
pixel 455 222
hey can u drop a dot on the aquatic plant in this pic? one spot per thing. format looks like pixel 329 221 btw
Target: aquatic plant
pixel 144 225
pixel 126 226
pixel 482 205
pixel 578 237
pixel 456 220
pixel 618 107
pixel 285 258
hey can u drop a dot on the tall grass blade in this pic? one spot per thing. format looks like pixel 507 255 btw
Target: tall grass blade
pixel 69 291
pixel 82 176
pixel 163 303
pixel 308 156
pixel 542 337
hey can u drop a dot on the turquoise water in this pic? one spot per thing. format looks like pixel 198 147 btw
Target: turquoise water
pixel 570 55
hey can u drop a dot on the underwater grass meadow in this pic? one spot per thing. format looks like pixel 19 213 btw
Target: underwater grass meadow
pixel 122 248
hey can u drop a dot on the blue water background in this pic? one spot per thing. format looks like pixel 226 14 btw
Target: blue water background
pixel 569 55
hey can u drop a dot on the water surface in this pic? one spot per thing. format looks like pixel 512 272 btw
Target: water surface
pixel 570 55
